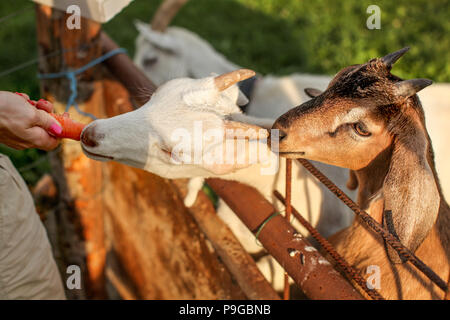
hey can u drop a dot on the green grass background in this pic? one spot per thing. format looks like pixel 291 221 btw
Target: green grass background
pixel 270 36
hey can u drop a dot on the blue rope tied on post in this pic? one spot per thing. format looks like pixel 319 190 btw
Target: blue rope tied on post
pixel 72 76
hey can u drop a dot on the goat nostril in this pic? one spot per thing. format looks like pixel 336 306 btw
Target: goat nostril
pixel 88 137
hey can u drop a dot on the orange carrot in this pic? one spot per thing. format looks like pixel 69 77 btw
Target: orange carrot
pixel 71 129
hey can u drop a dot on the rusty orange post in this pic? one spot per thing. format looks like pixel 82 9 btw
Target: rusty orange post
pixel 305 265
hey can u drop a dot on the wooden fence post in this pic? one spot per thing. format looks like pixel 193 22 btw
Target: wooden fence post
pixel 79 180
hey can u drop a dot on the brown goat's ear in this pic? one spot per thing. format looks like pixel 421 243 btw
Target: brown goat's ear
pixel 411 195
pixel 408 88
pixel 312 93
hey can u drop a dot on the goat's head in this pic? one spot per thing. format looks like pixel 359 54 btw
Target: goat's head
pixel 184 118
pixel 160 54
pixel 352 121
pixel 365 112
pixel 176 52
pixel 159 50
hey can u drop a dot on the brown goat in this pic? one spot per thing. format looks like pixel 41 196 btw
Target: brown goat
pixel 372 122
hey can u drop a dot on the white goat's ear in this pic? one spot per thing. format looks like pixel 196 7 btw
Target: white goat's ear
pixel 159 39
pixel 411 196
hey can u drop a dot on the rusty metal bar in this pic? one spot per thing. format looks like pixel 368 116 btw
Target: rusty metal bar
pixel 310 270
pixel 288 207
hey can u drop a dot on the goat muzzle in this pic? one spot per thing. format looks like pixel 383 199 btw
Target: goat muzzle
pixel 89 137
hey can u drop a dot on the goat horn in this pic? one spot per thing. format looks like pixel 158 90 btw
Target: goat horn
pixel 408 88
pixel 391 58
pixel 165 13
pixel 226 80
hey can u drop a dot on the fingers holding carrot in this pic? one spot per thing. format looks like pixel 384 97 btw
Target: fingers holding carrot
pixel 40 104
pixel 45 120
pixel 44 105
pixel 66 127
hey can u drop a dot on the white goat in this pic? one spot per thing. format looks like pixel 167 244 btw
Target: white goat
pixel 176 108
pixel 178 52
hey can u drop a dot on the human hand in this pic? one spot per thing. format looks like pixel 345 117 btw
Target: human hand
pixel 23 125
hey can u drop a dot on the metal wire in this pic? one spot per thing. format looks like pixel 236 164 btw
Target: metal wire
pixel 375 226
pixel 15 13
pixel 30 62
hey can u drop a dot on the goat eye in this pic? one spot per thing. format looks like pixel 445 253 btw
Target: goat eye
pixel 148 62
pixel 361 129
